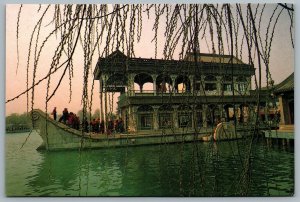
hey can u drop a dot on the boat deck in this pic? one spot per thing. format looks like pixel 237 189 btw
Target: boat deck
pixel 284 132
pixel 149 133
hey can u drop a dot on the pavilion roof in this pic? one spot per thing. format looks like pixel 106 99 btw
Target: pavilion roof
pixel 286 85
pixel 208 64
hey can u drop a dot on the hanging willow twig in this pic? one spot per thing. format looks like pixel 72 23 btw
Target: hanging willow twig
pixel 18 25
pixel 99 30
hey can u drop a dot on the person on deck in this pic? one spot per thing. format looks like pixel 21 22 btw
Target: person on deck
pixel 76 122
pixel 110 127
pixel 116 126
pixel 93 125
pixel 85 125
pixel 70 120
pixel 54 113
pixel 121 126
pixel 64 116
pixel 102 126
pixel 97 127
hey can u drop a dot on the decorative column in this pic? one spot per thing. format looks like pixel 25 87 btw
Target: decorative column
pixel 204 111
pixel 154 83
pixel 193 118
pixel 220 108
pixel 132 122
pixel 155 118
pixel 173 77
pixel 175 116
pixel 252 113
pixel 237 107
pixel 202 87
pixel 219 87
pixel 105 103
pixel 242 113
pixel 248 86
pixel 235 86
pixel 101 98
pixel 282 110
pixel 191 77
pixel 141 88
pixel 131 84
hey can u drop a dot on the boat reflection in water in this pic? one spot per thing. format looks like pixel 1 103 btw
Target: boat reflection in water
pixel 230 168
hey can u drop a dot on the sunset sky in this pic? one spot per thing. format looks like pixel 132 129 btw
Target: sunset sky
pixel 281 64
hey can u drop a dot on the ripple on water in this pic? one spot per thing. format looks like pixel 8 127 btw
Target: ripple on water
pixel 204 169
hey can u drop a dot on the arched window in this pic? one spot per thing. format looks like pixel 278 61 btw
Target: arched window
pixel 240 79
pixel 229 112
pixel 199 115
pixel 116 83
pixel 184 116
pixel 182 84
pixel 210 78
pixel 141 79
pixel 241 84
pixel 227 84
pixel 145 117
pixel 244 113
pixel 165 116
pixel 197 83
pixel 210 83
pixel 163 83
pixel 212 115
pixel 227 78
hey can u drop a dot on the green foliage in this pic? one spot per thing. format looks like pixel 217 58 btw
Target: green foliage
pixel 80 115
pixel 96 114
pixel 111 116
pixel 16 119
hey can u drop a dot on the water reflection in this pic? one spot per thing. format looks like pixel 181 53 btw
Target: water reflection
pixel 234 168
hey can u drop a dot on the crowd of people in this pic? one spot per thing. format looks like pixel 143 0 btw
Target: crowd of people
pixel 70 119
pixel 95 125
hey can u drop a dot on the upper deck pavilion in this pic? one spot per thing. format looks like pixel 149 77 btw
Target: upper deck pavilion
pixel 192 64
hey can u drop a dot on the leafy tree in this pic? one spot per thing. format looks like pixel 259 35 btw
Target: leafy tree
pixel 17 119
pixel 80 115
pixel 96 114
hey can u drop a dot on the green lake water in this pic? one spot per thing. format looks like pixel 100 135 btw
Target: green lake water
pixel 234 168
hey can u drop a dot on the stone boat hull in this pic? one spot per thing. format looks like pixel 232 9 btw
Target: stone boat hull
pixel 57 136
